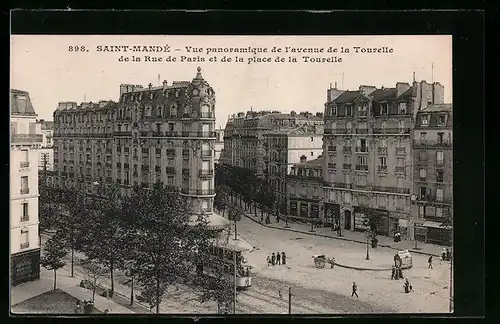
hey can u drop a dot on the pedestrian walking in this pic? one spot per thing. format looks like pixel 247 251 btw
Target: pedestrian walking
pixel 279 294
pixel 268 260
pixel 393 272
pixel 430 262
pixel 273 259
pixel 278 258
pixel 354 290
pixel 283 258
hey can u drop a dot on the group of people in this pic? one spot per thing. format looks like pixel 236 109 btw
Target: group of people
pixel 276 259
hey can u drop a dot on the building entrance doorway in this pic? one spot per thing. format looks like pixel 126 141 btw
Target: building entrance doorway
pixel 347 219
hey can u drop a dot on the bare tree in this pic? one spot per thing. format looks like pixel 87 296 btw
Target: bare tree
pixel 95 273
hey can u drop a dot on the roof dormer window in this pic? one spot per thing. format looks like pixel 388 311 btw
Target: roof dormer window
pixel 402 108
pixel 424 120
pixel 441 120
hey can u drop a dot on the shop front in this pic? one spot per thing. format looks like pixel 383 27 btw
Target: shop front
pixel 293 208
pixel 438 234
pixel 25 266
pixel 304 209
pixel 420 233
pixel 332 213
pixel 360 214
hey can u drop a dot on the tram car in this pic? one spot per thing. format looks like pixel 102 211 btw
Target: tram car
pixel 221 259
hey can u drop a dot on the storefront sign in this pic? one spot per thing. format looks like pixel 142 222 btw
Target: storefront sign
pixel 420 230
pixel 332 212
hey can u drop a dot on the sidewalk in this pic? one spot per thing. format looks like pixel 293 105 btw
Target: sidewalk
pixel 67 284
pixel 358 237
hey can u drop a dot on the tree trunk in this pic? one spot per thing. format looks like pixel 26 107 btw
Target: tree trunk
pixel 157 296
pixel 132 291
pixel 55 278
pixel 72 252
pixel 93 291
pixel 112 278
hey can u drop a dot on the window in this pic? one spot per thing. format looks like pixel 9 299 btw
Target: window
pixel 440 138
pixel 439 157
pixel 348 110
pixel 204 205
pixel 423 136
pixel 170 180
pixel 424 120
pixel 24 216
pixel 334 110
pixel 349 125
pixel 423 173
pixel 24 239
pixel 441 120
pixel 399 182
pixel 361 145
pixel 421 211
pixel 401 124
pixel 439 175
pixel 24 185
pixel 439 194
pixel 422 192
pixel 383 162
pixel 383 142
pixel 173 110
pixel 402 108
pixel 362 160
pixel 384 124
pixel 400 162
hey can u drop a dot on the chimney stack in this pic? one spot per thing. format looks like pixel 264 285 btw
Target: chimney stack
pixel 150 85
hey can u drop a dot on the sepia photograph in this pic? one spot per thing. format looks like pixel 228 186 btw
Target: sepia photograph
pixel 185 174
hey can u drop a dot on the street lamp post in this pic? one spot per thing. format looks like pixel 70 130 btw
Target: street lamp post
pixel 367 245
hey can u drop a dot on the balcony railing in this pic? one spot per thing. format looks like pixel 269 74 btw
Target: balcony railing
pixel 25 164
pixel 361 167
pixel 400 150
pixel 382 168
pixel 206 114
pixel 337 131
pixel 382 150
pixel 198 192
pixel 206 172
pixel 26 138
pixel 346 149
pixel 25 191
pixel 25 245
pixel 405 191
pixel 361 130
pixel 432 143
pixel 392 131
pixel 342 185
pixel 399 169
pixel 361 150
pixel 346 166
pixel 25 218
pixel 170 170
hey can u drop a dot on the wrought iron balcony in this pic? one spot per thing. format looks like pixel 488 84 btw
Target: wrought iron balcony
pixel 382 168
pixel 25 191
pixel 382 150
pixel 400 150
pixel 25 245
pixel 361 167
pixel 206 172
pixel 198 192
pixel 399 169
pixel 346 149
pixel 26 138
pixel 25 164
pixel 438 143
pixel 346 166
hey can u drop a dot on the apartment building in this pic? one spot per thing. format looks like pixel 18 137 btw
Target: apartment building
pixel 432 192
pixel 219 144
pixel 47 150
pixel 161 133
pixel 286 146
pixel 244 136
pixel 25 143
pixel 305 188
pixel 368 153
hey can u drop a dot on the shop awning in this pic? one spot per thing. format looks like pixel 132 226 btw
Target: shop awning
pixel 435 225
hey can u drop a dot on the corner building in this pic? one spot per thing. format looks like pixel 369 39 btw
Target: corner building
pixel 164 133
pixel 432 199
pixel 25 143
pixel 367 153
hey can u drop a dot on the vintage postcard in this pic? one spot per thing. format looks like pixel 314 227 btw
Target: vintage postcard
pixel 231 174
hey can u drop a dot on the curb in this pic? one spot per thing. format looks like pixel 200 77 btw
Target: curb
pixel 360 269
pixel 335 237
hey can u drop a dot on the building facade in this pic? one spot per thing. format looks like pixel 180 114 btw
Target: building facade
pixel 219 144
pixel 244 136
pixel 47 150
pixel 25 143
pixel 164 133
pixel 305 188
pixel 368 154
pixel 432 192
pixel 285 147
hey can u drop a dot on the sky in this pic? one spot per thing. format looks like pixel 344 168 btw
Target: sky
pixel 44 66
